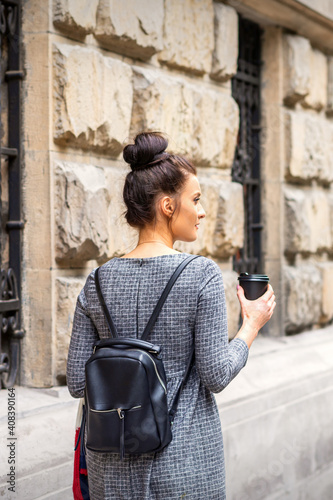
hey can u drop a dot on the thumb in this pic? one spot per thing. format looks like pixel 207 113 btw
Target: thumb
pixel 240 293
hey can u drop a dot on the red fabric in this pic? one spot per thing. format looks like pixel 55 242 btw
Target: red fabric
pixel 77 495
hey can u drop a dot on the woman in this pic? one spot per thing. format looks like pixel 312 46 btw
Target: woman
pixel 162 196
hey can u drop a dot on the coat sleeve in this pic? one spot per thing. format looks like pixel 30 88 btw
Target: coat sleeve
pixel 84 335
pixel 218 361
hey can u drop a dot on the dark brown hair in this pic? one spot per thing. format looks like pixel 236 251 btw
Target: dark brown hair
pixel 154 172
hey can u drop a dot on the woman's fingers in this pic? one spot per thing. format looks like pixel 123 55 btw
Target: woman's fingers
pixel 269 292
pixel 271 301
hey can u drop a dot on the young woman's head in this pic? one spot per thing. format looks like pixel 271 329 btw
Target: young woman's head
pixel 161 188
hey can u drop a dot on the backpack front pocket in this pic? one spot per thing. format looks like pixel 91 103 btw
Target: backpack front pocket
pixel 121 430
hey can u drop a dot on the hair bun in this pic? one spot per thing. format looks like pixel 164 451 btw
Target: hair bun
pixel 148 149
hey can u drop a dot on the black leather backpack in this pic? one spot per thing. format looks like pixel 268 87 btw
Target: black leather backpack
pixel 126 389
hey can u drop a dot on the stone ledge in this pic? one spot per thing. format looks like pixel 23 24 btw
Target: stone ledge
pixel 290 14
pixel 250 382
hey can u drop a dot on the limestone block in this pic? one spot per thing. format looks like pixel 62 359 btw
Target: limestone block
pixel 216 122
pixel 137 35
pixel 226 43
pixel 82 202
pixel 202 122
pixel 308 147
pixel 221 232
pixel 88 214
pixel 328 140
pixel 233 306
pixel 330 202
pixel 297 65
pixel 188 35
pixel 326 271
pixel 121 237
pixel 75 18
pixel 93 99
pixel 317 96
pixel 163 103
pixel 67 290
pixel 307 221
pixel 37 350
pixel 303 295
pixel 329 109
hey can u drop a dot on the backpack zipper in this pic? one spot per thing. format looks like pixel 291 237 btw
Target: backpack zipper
pixel 156 370
pixel 120 411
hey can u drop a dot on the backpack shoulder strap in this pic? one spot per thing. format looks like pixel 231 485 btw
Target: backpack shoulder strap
pixel 109 320
pixel 174 405
pixel 165 294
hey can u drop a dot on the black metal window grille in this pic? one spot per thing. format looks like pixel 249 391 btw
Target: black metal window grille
pixel 246 165
pixel 11 224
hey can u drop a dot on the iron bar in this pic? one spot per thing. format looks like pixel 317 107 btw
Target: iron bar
pixel 9 151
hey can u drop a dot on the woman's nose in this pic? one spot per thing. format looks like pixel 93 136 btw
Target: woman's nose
pixel 202 213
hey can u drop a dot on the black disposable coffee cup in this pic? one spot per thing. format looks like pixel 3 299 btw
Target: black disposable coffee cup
pixel 254 285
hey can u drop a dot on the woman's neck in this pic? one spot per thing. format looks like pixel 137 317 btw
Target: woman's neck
pixel 152 244
pixel 152 237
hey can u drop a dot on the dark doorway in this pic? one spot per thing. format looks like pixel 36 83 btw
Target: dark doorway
pixel 246 166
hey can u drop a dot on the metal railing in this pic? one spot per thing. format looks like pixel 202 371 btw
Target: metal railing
pixel 10 274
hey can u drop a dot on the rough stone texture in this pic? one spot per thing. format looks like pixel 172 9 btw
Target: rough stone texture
pixel 122 238
pixel 82 203
pixel 330 202
pixel 221 232
pixel 202 122
pixel 78 19
pixel 297 68
pixel 226 43
pixel 307 221
pixel 67 290
pixel 93 99
pixel 326 271
pixel 233 306
pixel 329 109
pixel 139 34
pixel 309 147
pixel 88 214
pixel 188 35
pixel 317 96
pixel 303 294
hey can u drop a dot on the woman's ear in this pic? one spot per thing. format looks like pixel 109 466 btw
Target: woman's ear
pixel 167 206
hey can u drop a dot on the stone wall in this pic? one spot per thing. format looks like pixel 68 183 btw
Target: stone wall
pixel 308 175
pixel 168 67
pixel 297 179
pixel 98 78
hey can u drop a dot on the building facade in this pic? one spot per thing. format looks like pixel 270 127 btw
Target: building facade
pixel 244 88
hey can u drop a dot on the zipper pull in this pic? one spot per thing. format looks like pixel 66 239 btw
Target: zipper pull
pixel 120 413
pixel 141 262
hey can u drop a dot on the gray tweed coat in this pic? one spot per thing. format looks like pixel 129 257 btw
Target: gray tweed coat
pixel 192 465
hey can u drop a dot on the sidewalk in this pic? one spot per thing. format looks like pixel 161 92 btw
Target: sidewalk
pixel 45 426
pixel 276 418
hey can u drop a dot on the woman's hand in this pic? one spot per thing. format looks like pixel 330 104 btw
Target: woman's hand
pixel 255 313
